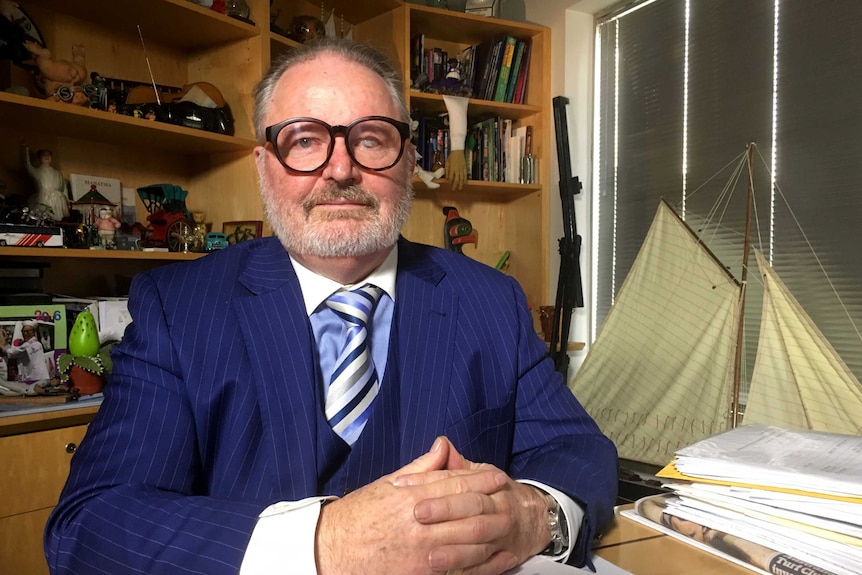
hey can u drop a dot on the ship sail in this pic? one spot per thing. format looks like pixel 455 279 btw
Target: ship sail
pixel 660 374
pixel 799 380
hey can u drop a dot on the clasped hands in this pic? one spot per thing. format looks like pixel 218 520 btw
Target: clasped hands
pixel 439 513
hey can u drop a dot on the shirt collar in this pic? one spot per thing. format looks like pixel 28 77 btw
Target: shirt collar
pixel 316 288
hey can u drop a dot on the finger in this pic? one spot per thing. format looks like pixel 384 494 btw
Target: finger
pixel 476 560
pixel 423 478
pixel 456 557
pixel 435 459
pixel 498 563
pixel 442 483
pixel 456 507
pixel 457 461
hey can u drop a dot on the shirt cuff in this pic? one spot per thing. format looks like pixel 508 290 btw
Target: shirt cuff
pixel 283 539
pixel 572 512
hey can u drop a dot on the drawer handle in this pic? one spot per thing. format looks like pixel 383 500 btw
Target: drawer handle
pixel 71 447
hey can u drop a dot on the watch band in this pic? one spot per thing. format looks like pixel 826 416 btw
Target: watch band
pixel 559 529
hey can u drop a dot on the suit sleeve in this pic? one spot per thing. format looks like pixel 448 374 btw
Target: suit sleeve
pixel 136 499
pixel 556 442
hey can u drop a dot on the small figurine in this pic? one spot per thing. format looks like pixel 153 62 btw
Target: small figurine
pixel 429 177
pixel 60 79
pixel 51 186
pixel 107 225
pixel 200 231
pixel 451 83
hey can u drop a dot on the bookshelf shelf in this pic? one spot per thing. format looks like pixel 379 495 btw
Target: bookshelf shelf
pixel 433 103
pixel 176 23
pixel 33 253
pixel 62 119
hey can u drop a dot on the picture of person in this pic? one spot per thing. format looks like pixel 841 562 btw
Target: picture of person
pixel 32 363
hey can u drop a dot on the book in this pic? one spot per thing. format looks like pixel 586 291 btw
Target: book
pixel 493 70
pixel 514 74
pixel 417 50
pixel 507 57
pixel 482 62
pixel 467 60
pixel 128 206
pixel 655 511
pixel 109 188
pixel 523 74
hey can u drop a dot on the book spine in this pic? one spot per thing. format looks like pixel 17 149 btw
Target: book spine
pixel 521 90
pixel 505 69
pixel 515 73
pixel 493 71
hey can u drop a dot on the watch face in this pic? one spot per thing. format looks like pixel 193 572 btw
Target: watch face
pixel 558 527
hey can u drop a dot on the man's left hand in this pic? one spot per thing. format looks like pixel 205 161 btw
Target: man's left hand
pixel 525 508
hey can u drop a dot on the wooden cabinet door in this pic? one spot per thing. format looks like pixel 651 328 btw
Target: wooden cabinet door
pixel 33 470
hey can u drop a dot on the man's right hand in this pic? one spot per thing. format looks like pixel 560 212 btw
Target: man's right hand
pixel 374 530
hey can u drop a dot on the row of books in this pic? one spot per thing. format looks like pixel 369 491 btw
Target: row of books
pixel 505 67
pixel 495 70
pixel 777 501
pixel 495 148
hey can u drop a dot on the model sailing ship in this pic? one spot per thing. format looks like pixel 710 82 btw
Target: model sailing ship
pixel 665 369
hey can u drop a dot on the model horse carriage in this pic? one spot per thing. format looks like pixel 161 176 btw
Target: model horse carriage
pixel 169 223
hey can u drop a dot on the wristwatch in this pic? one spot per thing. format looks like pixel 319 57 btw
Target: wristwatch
pixel 558 527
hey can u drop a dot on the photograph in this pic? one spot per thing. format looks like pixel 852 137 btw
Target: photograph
pixel 241 231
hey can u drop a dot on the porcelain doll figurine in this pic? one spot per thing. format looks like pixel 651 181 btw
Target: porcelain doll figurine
pixel 50 184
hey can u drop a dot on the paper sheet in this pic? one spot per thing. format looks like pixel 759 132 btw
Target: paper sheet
pixel 541 566
pixel 770 457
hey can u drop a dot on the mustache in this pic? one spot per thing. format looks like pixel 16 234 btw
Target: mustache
pixel 353 194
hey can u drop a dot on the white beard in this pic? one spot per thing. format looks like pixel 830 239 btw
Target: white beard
pixel 320 237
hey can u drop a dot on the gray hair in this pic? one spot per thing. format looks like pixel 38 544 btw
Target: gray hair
pixel 349 50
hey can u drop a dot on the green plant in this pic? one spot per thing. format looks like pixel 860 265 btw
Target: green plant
pixel 99 364
pixel 84 349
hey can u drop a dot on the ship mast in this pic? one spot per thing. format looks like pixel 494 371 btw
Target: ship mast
pixel 737 365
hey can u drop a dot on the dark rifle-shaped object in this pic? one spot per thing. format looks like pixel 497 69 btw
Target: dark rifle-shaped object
pixel 570 293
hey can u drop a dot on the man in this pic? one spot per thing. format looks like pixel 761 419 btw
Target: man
pixel 32 363
pixel 217 441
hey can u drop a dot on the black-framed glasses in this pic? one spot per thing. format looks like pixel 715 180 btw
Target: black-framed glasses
pixel 305 144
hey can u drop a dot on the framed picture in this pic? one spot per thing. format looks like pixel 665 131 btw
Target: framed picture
pixel 241 231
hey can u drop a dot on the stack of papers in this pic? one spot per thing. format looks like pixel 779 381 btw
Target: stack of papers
pixel 777 500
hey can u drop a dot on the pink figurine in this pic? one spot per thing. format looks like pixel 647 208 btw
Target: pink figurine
pixel 107 225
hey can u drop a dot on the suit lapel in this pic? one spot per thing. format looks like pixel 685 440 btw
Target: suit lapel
pixel 425 318
pixel 280 348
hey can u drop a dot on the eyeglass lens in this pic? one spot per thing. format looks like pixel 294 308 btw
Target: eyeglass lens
pixel 306 146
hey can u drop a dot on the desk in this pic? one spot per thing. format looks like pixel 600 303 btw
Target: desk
pixel 643 551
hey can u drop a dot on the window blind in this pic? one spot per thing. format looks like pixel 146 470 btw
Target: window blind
pixel 683 87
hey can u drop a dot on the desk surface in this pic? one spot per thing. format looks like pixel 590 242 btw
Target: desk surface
pixel 643 551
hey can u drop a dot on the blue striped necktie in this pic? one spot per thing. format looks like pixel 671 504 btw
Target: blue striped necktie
pixel 353 385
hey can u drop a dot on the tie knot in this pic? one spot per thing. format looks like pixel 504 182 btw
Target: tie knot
pixel 355 306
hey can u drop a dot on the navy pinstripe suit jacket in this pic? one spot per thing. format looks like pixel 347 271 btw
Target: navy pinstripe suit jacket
pixel 212 409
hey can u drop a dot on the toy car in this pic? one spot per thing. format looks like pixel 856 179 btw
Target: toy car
pixel 33 235
pixel 216 241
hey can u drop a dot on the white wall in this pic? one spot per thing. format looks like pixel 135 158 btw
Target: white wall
pixel 572 31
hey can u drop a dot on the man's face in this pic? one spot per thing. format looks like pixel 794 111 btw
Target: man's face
pixel 340 210
pixel 27 332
